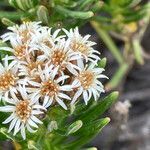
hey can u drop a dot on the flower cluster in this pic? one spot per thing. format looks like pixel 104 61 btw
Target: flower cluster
pixel 44 70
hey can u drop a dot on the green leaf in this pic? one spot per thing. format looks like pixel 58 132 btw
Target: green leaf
pixel 70 4
pixel 2 44
pixel 23 4
pixel 99 108
pixel 80 108
pixel 31 145
pixel 122 3
pixel 86 3
pixel 102 63
pixel 3 53
pixel 74 127
pixel 88 133
pixel 4 135
pixel 3 116
pixel 42 14
pixel 92 127
pixel 58 114
pixel 7 22
pixel 74 14
pixel 11 15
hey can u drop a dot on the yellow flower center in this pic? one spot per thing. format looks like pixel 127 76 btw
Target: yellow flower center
pixel 6 80
pixel 23 110
pixel 34 65
pixel 49 88
pixel 82 48
pixel 86 78
pixel 58 57
pixel 20 51
pixel 25 34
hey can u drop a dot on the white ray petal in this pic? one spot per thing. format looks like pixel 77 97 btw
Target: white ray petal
pixel 12 124
pixel 61 103
pixel 30 129
pixel 23 131
pixel 62 95
pixel 36 112
pixel 39 107
pixel 31 123
pixel 85 96
pixel 7 108
pixel 65 88
pixel 62 78
pixel 35 119
pixel 10 118
pixel 46 99
pixel 76 96
pixel 17 127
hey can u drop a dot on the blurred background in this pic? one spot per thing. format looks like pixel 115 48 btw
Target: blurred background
pixel 130 122
pixel 121 29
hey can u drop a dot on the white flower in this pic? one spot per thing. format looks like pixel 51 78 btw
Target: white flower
pixel 82 45
pixel 44 36
pixel 49 88
pixel 29 68
pixel 8 77
pixel 22 32
pixel 60 55
pixel 24 111
pixel 87 83
pixel 20 38
pixel 45 69
pixel 19 49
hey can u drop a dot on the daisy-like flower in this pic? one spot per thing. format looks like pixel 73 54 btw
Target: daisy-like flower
pixel 23 32
pixel 49 88
pixel 29 68
pixel 82 45
pixel 44 36
pixel 87 83
pixel 24 111
pixel 45 69
pixel 60 55
pixel 19 49
pixel 20 37
pixel 8 77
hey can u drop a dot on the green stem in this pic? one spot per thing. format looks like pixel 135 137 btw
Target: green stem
pixel 108 41
pixel 137 51
pixel 117 77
